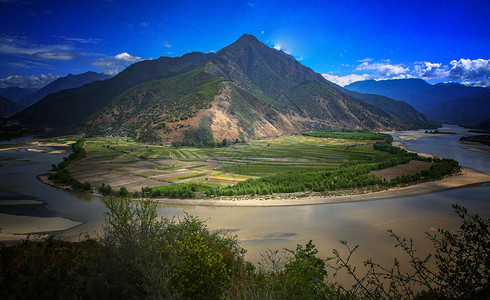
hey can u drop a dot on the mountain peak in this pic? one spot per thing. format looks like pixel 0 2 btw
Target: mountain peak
pixel 248 37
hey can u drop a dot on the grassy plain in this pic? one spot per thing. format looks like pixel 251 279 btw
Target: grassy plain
pixel 121 161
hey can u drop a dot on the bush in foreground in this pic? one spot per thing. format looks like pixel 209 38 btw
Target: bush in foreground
pixel 139 256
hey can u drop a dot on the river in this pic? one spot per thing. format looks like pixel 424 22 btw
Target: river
pixel 262 228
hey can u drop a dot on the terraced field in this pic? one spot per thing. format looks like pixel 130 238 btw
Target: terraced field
pixel 121 161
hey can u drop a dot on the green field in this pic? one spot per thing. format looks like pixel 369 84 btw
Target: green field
pixel 257 158
pixel 311 162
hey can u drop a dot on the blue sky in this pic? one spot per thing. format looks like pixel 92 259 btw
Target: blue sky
pixel 439 41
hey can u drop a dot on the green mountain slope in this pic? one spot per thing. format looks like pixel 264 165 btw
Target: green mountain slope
pixel 73 108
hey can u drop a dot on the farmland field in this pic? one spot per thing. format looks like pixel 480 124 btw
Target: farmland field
pixel 121 161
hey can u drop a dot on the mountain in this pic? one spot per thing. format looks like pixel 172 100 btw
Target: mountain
pixel 63 83
pixel 399 109
pixel 245 90
pixel 483 125
pixel 291 88
pixel 467 110
pixel 8 108
pixel 15 94
pixel 72 107
pixel 416 92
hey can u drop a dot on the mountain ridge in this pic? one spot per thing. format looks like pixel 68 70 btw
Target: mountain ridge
pixel 290 96
pixel 416 92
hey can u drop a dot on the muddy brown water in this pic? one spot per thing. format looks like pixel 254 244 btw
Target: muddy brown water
pixel 262 228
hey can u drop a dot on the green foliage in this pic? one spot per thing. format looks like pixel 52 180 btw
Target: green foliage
pixel 178 190
pixel 306 273
pixel 50 269
pixel 355 135
pixel 139 256
pixel 200 273
pixel 78 152
pixel 94 133
pixel 298 274
pixel 123 192
pixel 483 139
pixel 148 258
pixel 105 189
pixel 63 176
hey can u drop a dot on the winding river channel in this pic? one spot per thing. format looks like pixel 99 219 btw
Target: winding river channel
pixel 261 228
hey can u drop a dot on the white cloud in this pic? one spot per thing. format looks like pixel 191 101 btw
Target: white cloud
pixel 126 57
pixel 473 72
pixel 348 79
pixel 115 64
pixel 31 81
pixel 78 40
pixel 21 46
pixel 367 59
pixel 166 44
pixel 382 69
pixel 467 69
pixel 54 55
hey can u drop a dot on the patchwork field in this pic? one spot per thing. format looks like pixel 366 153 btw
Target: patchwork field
pixel 121 161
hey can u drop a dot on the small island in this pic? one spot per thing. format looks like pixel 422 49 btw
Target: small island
pixel 438 132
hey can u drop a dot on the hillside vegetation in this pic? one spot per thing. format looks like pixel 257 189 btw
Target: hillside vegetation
pixel 139 256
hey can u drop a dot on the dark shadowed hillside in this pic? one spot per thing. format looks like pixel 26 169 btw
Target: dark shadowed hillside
pixel 8 108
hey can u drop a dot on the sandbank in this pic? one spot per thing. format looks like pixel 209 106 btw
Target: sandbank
pixel 20 202
pixel 16 228
pixel 32 145
pixel 467 177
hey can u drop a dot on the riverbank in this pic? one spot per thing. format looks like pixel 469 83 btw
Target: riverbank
pixel 15 228
pixel 467 177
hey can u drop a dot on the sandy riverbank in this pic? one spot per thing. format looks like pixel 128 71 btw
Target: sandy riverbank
pixel 32 145
pixel 468 177
pixel 16 228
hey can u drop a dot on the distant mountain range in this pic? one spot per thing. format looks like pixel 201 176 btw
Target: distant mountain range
pixel 443 102
pixel 16 94
pixel 8 108
pixel 26 97
pixel 62 83
pixel 245 90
